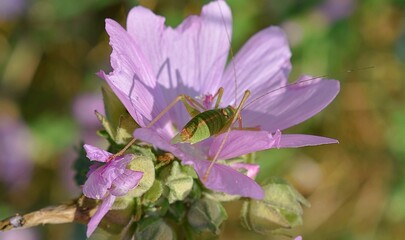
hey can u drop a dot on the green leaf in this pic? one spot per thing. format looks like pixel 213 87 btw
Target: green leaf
pixel 154 228
pixel 206 215
pixel 81 166
pixel 142 164
pixel 144 151
pixel 280 208
pixel 154 193
pixel 179 183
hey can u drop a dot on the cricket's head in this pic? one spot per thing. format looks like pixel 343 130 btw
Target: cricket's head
pixel 229 112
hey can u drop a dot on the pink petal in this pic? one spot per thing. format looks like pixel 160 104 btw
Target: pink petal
pixel 99 214
pixel 147 29
pixel 93 168
pixel 298 238
pixel 262 64
pixel 96 154
pixel 291 105
pixel 132 80
pixel 252 169
pixel 121 162
pixel 125 182
pixel 301 140
pixel 240 142
pixel 189 59
pixel 212 39
pixel 96 185
pixel 225 179
pixel 153 137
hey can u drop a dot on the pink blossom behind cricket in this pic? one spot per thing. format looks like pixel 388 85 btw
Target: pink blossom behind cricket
pixel 153 64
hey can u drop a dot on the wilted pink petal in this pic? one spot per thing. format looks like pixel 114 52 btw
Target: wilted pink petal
pixel 96 154
pixel 99 214
pixel 96 185
pixel 125 182
pixel 108 181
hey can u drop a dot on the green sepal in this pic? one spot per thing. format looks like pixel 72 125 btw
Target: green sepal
pixel 189 170
pixel 177 211
pixel 123 202
pixel 81 166
pixel 142 164
pixel 196 192
pixel 154 193
pixel 206 215
pixel 154 228
pixel 126 126
pixel 113 107
pixel 118 216
pixel 158 208
pixel 220 196
pixel 178 181
pixel 122 133
pixel 280 208
pixel 142 150
pixel 106 125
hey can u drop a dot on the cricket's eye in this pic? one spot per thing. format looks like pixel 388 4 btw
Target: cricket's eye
pixel 225 113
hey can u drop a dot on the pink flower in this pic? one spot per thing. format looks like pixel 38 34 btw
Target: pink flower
pixel 153 64
pixel 107 181
pixel 16 163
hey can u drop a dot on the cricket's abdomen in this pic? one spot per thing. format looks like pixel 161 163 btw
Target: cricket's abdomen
pixel 205 125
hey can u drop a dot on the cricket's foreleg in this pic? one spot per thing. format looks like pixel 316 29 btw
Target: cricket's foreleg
pixel 192 105
pixel 219 96
pixel 185 99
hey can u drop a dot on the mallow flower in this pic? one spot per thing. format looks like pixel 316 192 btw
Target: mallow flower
pixel 107 181
pixel 153 64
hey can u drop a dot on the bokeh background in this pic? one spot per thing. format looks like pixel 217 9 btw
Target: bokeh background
pixel 50 51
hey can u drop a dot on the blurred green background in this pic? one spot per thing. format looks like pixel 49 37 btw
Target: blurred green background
pixel 50 51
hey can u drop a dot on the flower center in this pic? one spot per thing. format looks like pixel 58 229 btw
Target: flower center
pixel 207 100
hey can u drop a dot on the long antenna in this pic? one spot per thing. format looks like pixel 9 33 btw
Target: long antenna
pixel 231 51
pixel 299 82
